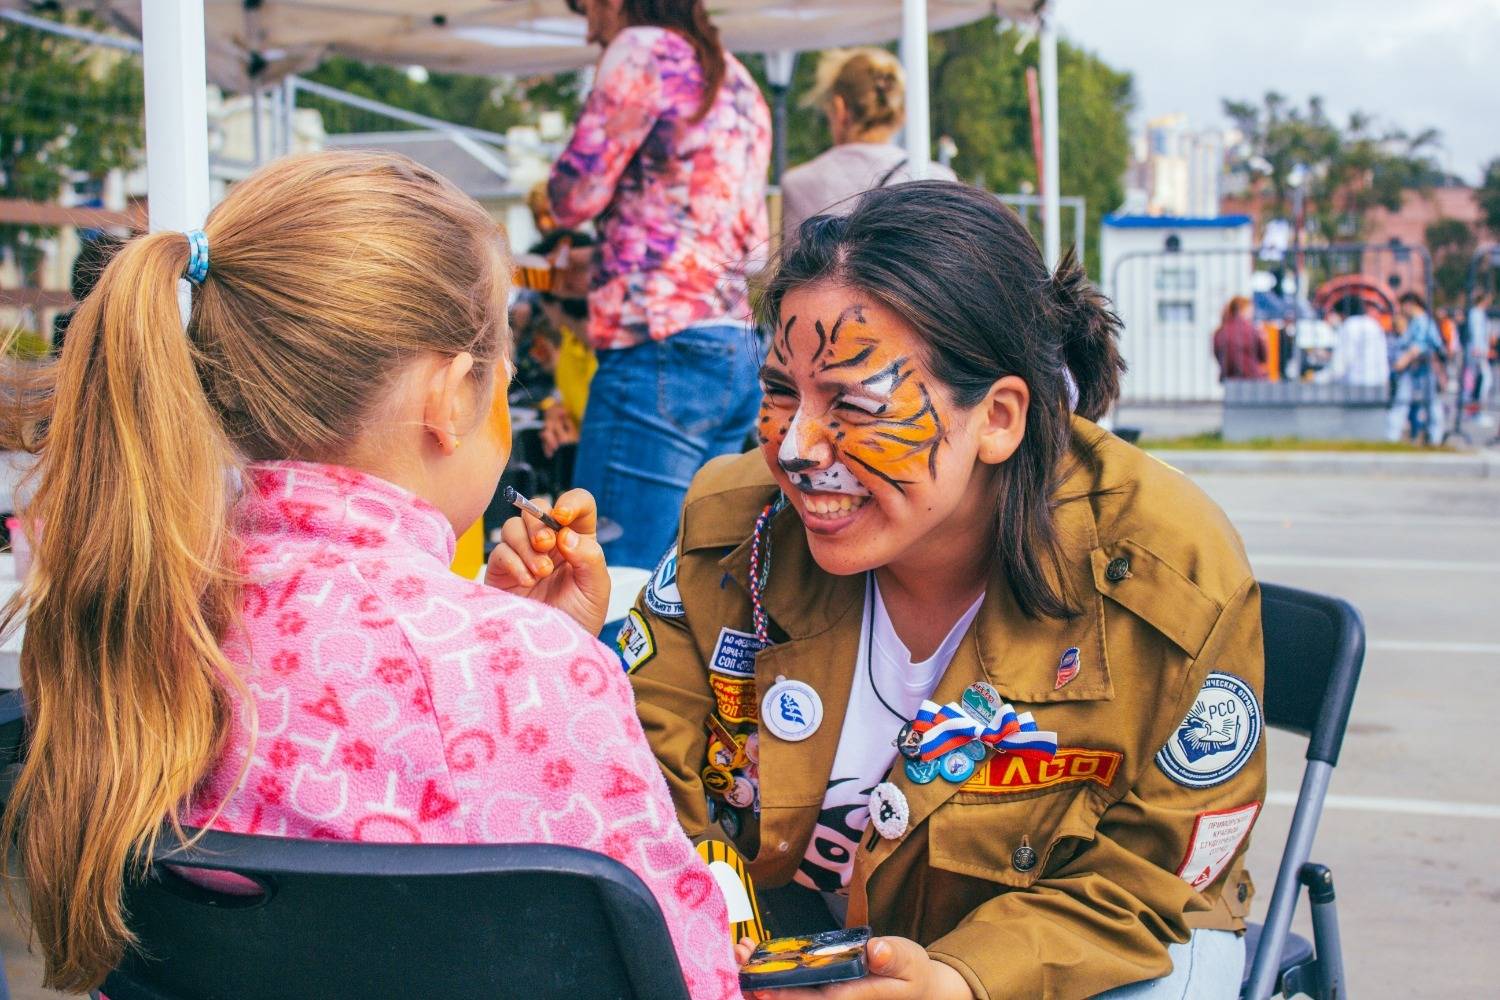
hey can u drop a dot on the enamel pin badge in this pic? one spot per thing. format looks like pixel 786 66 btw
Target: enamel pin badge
pixel 1067 668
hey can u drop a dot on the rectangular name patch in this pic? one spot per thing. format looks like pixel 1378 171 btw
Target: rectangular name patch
pixel 1216 837
pixel 734 653
pixel 1004 774
pixel 635 641
pixel 735 699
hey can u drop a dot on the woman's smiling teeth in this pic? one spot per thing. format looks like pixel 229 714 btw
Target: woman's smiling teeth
pixel 831 505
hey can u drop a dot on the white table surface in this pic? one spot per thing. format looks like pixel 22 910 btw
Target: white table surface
pixel 625 586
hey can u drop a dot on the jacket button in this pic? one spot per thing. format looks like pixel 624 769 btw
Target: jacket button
pixel 1117 570
pixel 783 847
pixel 1023 859
pixel 1244 892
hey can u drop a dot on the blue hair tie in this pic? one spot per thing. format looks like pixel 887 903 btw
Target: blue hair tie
pixel 197 265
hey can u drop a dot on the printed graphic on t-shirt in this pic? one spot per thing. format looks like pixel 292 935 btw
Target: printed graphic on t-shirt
pixel 841 825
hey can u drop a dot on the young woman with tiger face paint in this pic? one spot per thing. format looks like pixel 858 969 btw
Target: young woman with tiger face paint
pixel 935 521
pixel 886 470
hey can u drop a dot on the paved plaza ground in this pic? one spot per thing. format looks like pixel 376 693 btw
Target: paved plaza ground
pixel 1413 818
pixel 1413 821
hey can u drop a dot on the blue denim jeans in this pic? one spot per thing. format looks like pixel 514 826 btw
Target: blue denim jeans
pixel 1208 966
pixel 657 412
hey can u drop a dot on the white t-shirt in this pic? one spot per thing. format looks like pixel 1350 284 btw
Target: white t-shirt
pixel 867 742
pixel 1359 353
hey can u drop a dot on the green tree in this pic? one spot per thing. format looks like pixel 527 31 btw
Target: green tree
pixel 66 109
pixel 1350 168
pixel 1489 196
pixel 1452 243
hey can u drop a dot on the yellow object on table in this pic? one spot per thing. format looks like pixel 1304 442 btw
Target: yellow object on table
pixel 468 556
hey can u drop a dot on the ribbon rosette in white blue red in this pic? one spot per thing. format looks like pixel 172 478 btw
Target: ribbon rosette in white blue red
pixel 945 728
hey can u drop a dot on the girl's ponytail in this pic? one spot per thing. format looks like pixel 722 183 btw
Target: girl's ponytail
pixel 1089 332
pixel 327 274
pixel 132 583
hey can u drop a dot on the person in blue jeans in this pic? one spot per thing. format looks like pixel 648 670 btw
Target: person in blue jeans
pixel 669 159
pixel 657 412
pixel 1414 385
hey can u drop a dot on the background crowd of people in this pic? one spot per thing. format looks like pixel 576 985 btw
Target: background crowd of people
pixel 1419 358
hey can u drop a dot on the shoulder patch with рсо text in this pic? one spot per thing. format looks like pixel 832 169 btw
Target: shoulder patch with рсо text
pixel 1005 774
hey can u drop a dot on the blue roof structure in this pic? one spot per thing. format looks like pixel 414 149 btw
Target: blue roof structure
pixel 1176 222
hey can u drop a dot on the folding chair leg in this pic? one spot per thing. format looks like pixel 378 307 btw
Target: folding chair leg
pixel 1265 966
pixel 1325 921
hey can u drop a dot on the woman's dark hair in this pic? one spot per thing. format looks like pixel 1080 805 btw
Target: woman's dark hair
pixel 1412 298
pixel 689 18
pixel 961 268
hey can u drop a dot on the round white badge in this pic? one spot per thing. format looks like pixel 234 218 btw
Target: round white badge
pixel 791 710
pixel 1217 737
pixel 889 811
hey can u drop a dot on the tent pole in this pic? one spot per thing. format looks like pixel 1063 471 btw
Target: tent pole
pixel 1051 210
pixel 914 56
pixel 288 94
pixel 780 65
pixel 176 113
pixel 257 110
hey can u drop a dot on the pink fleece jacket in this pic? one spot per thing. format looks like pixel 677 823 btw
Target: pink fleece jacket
pixel 399 702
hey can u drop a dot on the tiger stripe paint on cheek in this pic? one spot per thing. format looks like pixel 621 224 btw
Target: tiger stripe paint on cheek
pixel 848 398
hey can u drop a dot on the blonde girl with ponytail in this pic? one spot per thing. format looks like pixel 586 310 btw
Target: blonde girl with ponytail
pixel 240 614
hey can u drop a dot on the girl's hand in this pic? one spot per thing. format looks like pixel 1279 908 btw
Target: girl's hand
pixel 563 569
pixel 900 969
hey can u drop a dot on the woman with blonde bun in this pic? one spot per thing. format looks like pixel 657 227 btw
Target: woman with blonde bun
pixel 862 92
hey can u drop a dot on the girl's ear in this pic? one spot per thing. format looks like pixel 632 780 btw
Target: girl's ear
pixel 446 406
pixel 1001 417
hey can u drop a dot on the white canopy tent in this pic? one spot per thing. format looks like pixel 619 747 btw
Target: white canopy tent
pixel 241 46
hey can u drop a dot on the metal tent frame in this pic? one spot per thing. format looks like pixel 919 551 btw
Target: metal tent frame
pixel 175 59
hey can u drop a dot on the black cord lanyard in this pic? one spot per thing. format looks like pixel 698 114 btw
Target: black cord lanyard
pixel 870 644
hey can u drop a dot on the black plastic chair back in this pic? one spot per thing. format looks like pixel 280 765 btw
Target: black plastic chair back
pixel 376 921
pixel 1315 646
pixel 12 740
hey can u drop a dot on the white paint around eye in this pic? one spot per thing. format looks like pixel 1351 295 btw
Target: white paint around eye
pixel 866 404
pixel 884 385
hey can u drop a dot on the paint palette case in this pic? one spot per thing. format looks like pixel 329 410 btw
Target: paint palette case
pixel 807 960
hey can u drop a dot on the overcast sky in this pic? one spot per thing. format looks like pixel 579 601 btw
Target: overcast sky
pixel 1413 63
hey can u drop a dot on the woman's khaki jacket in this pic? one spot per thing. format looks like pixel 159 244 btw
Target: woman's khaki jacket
pixel 1167 598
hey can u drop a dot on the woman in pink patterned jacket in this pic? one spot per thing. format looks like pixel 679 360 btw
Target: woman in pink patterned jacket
pixel 669 159
pixel 285 651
